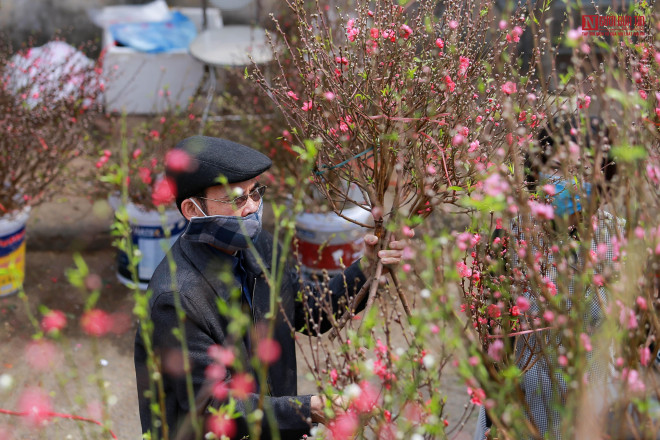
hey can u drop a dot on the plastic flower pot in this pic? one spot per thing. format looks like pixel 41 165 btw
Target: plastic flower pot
pixel 12 251
pixel 326 240
pixel 149 235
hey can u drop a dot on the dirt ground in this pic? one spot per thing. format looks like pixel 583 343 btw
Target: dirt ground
pixel 90 371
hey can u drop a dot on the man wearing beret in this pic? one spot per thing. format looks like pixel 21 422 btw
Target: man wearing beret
pixel 216 241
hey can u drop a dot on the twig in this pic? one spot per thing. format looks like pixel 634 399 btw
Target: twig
pixel 402 297
pixel 347 315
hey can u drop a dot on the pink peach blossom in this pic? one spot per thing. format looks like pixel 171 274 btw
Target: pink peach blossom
pixel 509 87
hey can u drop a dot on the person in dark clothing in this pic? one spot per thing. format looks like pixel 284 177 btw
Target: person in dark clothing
pixel 216 242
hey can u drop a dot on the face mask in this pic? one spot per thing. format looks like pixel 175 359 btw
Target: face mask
pixel 231 233
pixel 563 201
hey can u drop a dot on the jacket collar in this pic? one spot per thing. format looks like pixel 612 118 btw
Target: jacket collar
pixel 211 263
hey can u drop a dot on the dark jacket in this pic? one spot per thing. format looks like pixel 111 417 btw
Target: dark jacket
pixel 197 280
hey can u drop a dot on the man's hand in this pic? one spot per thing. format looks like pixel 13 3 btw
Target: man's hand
pixel 390 257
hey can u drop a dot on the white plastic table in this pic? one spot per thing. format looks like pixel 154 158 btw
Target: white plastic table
pixel 229 46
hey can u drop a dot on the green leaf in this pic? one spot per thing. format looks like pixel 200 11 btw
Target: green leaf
pixel 616 94
pixel 488 204
pixel 629 153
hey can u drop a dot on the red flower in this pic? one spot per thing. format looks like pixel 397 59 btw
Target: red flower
pixel 242 385
pixel 476 396
pixel 221 425
pixel 164 192
pixel 405 31
pixel 96 322
pixel 451 85
pixel 52 321
pixel 333 377
pixel 268 351
pixel 494 311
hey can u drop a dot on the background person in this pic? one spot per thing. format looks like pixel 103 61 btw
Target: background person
pixel 541 384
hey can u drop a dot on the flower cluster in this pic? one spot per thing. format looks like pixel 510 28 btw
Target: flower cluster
pixel 45 122
pixel 146 152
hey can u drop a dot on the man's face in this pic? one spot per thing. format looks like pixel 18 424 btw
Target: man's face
pixel 218 201
pixel 226 193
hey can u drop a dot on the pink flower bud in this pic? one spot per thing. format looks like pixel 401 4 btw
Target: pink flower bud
pixel 641 303
pixel 548 316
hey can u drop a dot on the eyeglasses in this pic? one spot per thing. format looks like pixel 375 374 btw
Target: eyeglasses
pixel 256 194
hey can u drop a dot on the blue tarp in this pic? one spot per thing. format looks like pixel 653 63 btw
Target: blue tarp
pixel 154 37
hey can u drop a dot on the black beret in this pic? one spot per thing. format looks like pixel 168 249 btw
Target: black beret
pixel 210 158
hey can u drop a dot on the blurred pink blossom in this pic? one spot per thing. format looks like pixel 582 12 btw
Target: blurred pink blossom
pixel 178 161
pixel 54 320
pixel 164 192
pixel 221 425
pixel 35 402
pixel 496 349
pixel 96 322
pixel 644 356
pixel 268 350
pixel 495 185
pixel 42 355
pixel 522 303
pixel 633 380
pixel 542 210
pixel 344 426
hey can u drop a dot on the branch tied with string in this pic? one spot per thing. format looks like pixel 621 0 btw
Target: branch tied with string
pixel 387 94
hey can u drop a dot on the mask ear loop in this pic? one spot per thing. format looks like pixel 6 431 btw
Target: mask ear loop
pixel 200 209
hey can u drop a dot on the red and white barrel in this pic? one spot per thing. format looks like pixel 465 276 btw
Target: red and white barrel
pixel 326 240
